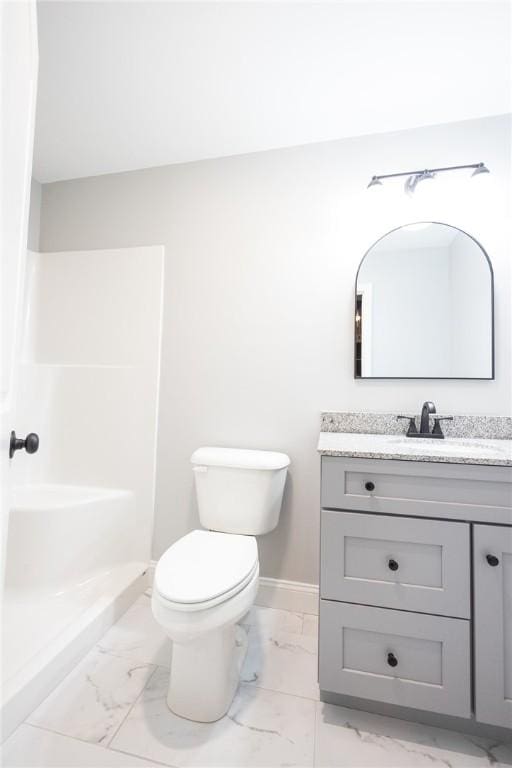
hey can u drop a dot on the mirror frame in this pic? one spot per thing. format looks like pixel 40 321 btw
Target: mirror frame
pixel 429 378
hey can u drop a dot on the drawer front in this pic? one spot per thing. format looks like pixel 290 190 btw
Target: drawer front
pixel 408 659
pixel 457 491
pixel 396 562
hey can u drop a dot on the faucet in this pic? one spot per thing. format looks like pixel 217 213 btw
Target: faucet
pixel 427 409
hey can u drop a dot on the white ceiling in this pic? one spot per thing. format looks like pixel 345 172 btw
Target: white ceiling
pixel 126 85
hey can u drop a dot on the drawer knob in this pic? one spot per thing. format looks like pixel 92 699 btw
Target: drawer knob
pixel 369 486
pixel 392 565
pixel 492 560
pixel 392 660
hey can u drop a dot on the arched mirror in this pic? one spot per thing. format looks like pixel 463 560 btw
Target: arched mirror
pixel 424 306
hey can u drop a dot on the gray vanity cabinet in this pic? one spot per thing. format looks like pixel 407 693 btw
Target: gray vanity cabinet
pixel 492 545
pixel 416 586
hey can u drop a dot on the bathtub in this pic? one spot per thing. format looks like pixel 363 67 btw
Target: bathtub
pixel 71 570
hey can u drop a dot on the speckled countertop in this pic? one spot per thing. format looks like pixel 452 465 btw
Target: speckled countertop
pixel 451 450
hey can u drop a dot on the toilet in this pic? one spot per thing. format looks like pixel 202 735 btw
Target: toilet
pixel 208 580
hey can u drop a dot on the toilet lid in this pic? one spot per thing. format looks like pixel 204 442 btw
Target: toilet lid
pixel 204 565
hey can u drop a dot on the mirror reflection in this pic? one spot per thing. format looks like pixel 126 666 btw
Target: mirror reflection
pixel 424 306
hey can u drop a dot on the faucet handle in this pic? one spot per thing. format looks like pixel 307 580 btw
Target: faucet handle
pixel 413 429
pixel 437 426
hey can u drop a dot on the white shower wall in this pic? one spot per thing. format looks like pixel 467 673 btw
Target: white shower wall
pixel 81 516
pixel 89 373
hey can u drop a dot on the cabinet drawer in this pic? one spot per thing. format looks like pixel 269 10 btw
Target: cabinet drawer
pixel 477 493
pixel 408 659
pixel 396 562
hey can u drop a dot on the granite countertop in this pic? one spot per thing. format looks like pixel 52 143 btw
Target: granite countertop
pixel 451 450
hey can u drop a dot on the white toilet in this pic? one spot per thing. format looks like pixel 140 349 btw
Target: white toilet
pixel 207 581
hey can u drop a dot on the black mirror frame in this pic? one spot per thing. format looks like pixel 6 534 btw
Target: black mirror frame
pixel 429 378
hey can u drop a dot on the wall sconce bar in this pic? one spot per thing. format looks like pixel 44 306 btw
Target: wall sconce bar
pixel 413 177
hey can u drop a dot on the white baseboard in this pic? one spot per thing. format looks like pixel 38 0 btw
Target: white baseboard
pixel 288 595
pixel 278 593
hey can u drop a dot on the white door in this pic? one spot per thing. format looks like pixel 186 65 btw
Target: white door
pixel 493 624
pixel 18 67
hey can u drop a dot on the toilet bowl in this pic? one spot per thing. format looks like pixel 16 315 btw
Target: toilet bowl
pixel 208 646
pixel 208 580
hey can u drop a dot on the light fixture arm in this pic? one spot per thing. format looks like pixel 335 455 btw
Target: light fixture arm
pixel 429 173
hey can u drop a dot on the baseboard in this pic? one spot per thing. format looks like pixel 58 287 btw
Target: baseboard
pixel 288 595
pixel 278 593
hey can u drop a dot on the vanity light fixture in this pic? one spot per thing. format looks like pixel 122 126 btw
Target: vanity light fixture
pixel 415 177
pixel 413 181
pixel 481 168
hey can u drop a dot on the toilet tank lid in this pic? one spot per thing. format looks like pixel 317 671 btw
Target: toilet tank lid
pixel 239 458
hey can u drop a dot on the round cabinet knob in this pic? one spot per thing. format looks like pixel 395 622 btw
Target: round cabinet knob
pixel 369 486
pixel 492 560
pixel 392 565
pixel 392 660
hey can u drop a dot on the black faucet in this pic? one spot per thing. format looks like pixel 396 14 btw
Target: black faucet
pixel 427 409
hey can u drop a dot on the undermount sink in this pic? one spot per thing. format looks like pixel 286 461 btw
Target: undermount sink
pixel 447 445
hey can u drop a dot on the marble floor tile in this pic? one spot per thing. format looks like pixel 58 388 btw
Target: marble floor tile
pixel 310 625
pixel 261 729
pixel 347 738
pixel 31 747
pixel 93 700
pixel 138 636
pixel 273 619
pixel 282 661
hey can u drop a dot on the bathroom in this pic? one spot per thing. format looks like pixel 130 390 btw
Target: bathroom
pixel 186 316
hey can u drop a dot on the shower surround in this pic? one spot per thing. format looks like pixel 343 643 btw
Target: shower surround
pixel 81 515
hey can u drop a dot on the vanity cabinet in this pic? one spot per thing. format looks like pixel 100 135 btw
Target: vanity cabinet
pixel 492 557
pixel 416 586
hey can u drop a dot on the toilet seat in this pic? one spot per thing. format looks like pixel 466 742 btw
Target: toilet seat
pixel 205 568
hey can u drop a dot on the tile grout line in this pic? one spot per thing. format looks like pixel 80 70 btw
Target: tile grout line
pixel 65 735
pixel 116 731
pixel 273 690
pixel 151 761
pixel 123 657
pixel 97 744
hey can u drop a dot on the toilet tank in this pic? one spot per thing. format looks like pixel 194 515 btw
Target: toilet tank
pixel 238 490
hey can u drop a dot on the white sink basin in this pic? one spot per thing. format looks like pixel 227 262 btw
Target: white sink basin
pixel 447 446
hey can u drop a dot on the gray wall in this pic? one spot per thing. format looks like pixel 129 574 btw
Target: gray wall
pixel 261 255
